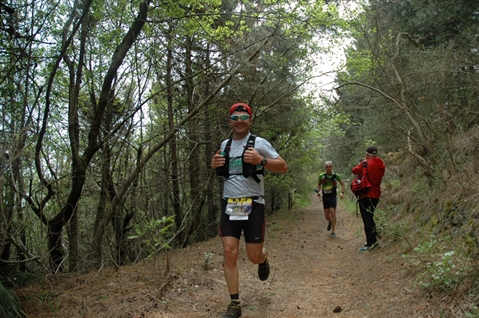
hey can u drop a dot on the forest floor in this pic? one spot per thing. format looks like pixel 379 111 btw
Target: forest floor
pixel 312 275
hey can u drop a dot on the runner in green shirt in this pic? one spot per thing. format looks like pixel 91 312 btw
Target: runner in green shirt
pixel 327 185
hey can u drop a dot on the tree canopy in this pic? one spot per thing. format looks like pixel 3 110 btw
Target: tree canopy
pixel 111 112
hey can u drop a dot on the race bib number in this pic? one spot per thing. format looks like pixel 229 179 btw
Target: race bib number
pixel 239 206
pixel 328 191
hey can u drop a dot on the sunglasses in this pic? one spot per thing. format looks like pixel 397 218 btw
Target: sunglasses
pixel 242 117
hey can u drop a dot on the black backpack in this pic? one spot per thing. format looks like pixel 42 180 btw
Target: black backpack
pixel 249 170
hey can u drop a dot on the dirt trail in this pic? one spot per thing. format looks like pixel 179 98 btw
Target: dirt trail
pixel 311 275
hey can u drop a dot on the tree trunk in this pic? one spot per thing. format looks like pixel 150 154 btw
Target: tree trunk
pixel 56 224
pixel 105 100
pixel 173 148
pixel 194 164
pixel 73 256
pixel 213 200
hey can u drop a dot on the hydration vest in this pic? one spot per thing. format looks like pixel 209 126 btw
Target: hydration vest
pixel 249 170
pixel 333 177
pixel 333 180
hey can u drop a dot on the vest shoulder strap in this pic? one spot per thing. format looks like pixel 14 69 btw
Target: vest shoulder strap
pixel 249 170
pixel 324 177
pixel 249 143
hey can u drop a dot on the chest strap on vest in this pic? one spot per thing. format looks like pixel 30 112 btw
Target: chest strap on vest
pixel 249 170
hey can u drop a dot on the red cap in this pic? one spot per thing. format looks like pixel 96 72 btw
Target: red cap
pixel 241 107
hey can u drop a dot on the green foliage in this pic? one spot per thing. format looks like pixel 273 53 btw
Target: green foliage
pixel 154 234
pixel 302 200
pixel 474 313
pixel 442 269
pixel 277 188
pixel 359 64
pixel 350 203
pixel 397 230
pixel 381 218
pixel 207 40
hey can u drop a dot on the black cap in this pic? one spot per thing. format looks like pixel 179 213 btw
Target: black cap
pixel 372 150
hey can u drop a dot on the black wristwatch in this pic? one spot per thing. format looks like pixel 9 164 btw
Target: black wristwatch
pixel 264 162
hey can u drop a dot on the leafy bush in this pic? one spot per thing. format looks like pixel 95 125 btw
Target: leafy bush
pixel 154 234
pixel 440 265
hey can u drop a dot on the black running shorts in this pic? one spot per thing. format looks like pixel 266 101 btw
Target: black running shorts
pixel 330 201
pixel 253 227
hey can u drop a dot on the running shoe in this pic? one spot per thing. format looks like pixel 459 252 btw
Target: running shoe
pixel 364 248
pixel 233 311
pixel 263 269
pixel 369 248
pixel 333 234
pixel 329 226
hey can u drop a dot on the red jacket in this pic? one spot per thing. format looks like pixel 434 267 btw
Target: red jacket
pixel 375 170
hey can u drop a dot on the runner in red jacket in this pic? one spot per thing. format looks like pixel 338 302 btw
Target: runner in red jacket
pixel 369 201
